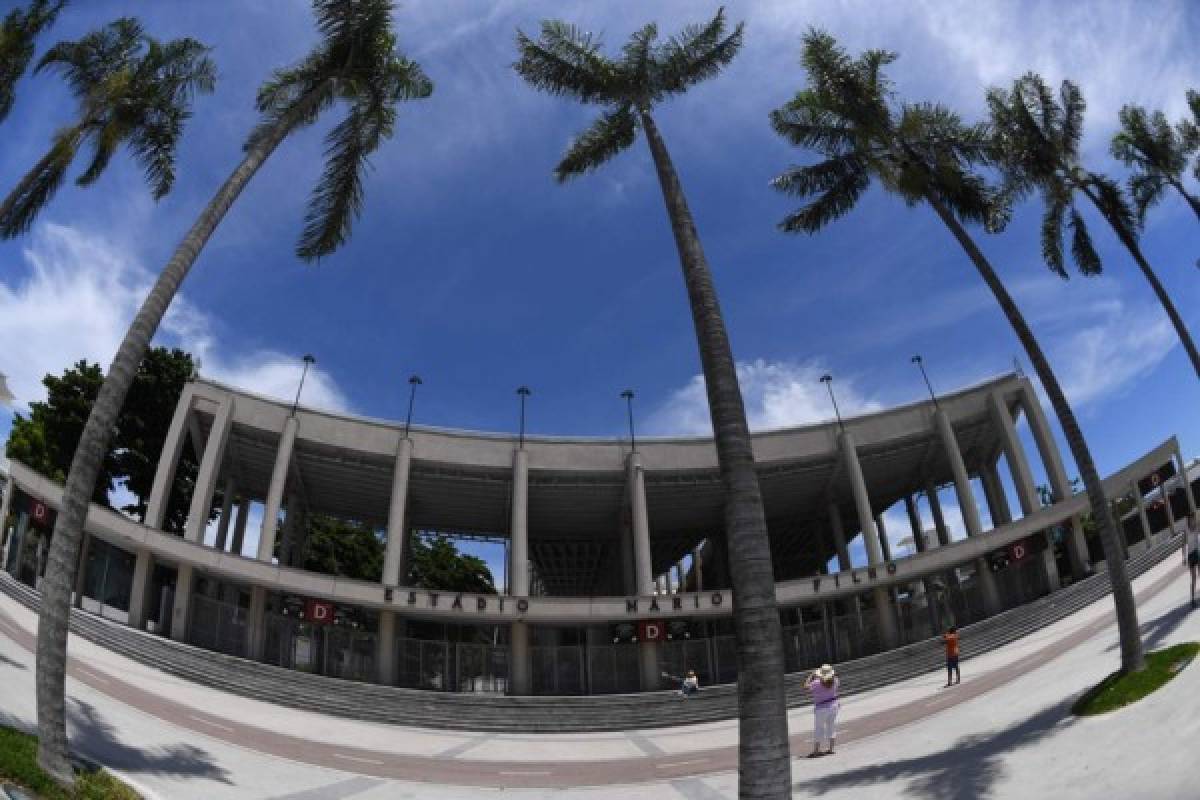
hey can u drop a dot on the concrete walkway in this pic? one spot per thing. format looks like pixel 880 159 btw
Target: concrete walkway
pixel 1004 732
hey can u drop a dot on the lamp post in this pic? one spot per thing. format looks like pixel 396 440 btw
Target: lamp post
pixel 628 395
pixel 828 381
pixel 308 362
pixel 413 383
pixel 921 366
pixel 524 392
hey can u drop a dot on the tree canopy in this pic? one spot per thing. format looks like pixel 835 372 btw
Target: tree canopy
pixel 436 563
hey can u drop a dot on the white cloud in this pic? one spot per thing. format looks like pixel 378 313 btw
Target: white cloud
pixel 776 394
pixel 76 301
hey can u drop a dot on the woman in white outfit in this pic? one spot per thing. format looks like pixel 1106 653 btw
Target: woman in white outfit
pixel 824 685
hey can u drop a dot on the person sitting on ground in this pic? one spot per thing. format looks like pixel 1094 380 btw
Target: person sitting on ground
pixel 824 685
pixel 950 639
pixel 690 684
pixel 1191 549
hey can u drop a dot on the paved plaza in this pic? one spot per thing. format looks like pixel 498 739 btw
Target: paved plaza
pixel 1004 732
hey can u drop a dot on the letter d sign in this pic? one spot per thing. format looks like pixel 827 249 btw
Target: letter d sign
pixel 650 631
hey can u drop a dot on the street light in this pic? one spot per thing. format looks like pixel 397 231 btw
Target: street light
pixel 413 382
pixel 828 381
pixel 921 366
pixel 308 362
pixel 628 395
pixel 524 392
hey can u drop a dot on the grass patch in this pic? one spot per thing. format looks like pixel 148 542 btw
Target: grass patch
pixel 1117 690
pixel 18 764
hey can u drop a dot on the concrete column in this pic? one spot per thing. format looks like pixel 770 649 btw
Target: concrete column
pixel 81 572
pixel 839 537
pixel 885 546
pixel 1187 484
pixel 1166 498
pixel 679 577
pixel 993 493
pixel 210 468
pixel 385 643
pixel 226 512
pixel 1060 487
pixel 10 489
pixel 627 582
pixel 1140 502
pixel 918 534
pixel 270 521
pixel 393 556
pixel 287 541
pixel 239 529
pixel 256 623
pixel 168 461
pixel 698 567
pixel 139 593
pixel 1018 466
pixel 889 634
pixel 935 510
pixel 519 574
pixel 640 521
pixel 182 606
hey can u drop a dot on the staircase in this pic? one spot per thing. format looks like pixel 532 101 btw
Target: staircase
pixel 473 712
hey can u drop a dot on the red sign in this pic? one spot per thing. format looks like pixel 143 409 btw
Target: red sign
pixel 318 612
pixel 39 512
pixel 650 630
pixel 1019 551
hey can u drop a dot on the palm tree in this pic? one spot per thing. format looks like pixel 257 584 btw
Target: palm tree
pixel 1189 129
pixel 924 154
pixel 18 32
pixel 355 63
pixel 1038 139
pixel 566 61
pixel 1157 153
pixel 132 90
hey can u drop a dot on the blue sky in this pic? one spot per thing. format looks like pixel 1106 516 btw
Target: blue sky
pixel 474 269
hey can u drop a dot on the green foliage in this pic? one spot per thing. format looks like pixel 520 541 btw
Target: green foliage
pixel 436 563
pixel 131 89
pixel 1156 152
pixel 1124 688
pixel 564 60
pixel 47 438
pixel 18 764
pixel 18 33
pixel 338 547
pixel 356 63
pixel 848 115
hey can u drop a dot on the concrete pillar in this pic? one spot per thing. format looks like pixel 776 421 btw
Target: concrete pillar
pixel 182 606
pixel 385 642
pixel 81 573
pixel 270 521
pixel 1166 498
pixel 679 576
pixel 918 533
pixel 239 529
pixel 1060 487
pixel 168 461
pixel 139 593
pixel 1022 478
pixel 885 546
pixel 226 513
pixel 519 573
pixel 287 540
pixel 839 537
pixel 889 633
pixel 256 623
pixel 393 556
pixel 1187 484
pixel 935 510
pixel 993 493
pixel 640 522
pixel 1140 503
pixel 210 468
pixel 627 583
pixel 12 550
pixel 698 567
pixel 970 511
pixel 10 488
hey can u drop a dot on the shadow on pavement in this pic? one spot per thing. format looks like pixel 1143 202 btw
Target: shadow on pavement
pixel 967 770
pixel 8 662
pixel 97 739
pixel 1155 631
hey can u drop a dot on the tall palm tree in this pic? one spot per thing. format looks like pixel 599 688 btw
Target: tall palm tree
pixel 1157 153
pixel 18 32
pixel 924 154
pixel 356 63
pixel 566 61
pixel 1189 129
pixel 1038 137
pixel 132 90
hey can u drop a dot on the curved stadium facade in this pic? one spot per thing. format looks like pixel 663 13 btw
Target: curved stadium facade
pixel 616 572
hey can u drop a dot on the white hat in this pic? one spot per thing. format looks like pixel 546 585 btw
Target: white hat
pixel 826 672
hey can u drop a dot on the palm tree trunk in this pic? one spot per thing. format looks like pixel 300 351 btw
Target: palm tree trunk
pixel 1127 238
pixel 93 444
pixel 1132 656
pixel 1192 200
pixel 764 760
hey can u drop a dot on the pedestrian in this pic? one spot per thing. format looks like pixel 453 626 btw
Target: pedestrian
pixel 824 685
pixel 950 639
pixel 1191 548
pixel 690 685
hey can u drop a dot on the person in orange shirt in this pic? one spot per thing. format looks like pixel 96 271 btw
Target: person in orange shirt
pixel 950 639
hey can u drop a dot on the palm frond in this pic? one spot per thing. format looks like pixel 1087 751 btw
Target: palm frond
pixel 297 94
pixel 1147 190
pixel 697 53
pixel 21 207
pixel 821 177
pixel 18 33
pixel 1071 129
pixel 845 182
pixel 611 133
pixel 1052 234
pixel 805 122
pixel 637 55
pixel 1112 203
pixel 1082 251
pixel 96 57
pixel 154 144
pixel 567 61
pixel 105 141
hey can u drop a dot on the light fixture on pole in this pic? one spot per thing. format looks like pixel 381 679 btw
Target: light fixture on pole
pixel 413 382
pixel 921 366
pixel 308 362
pixel 524 392
pixel 828 381
pixel 628 395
